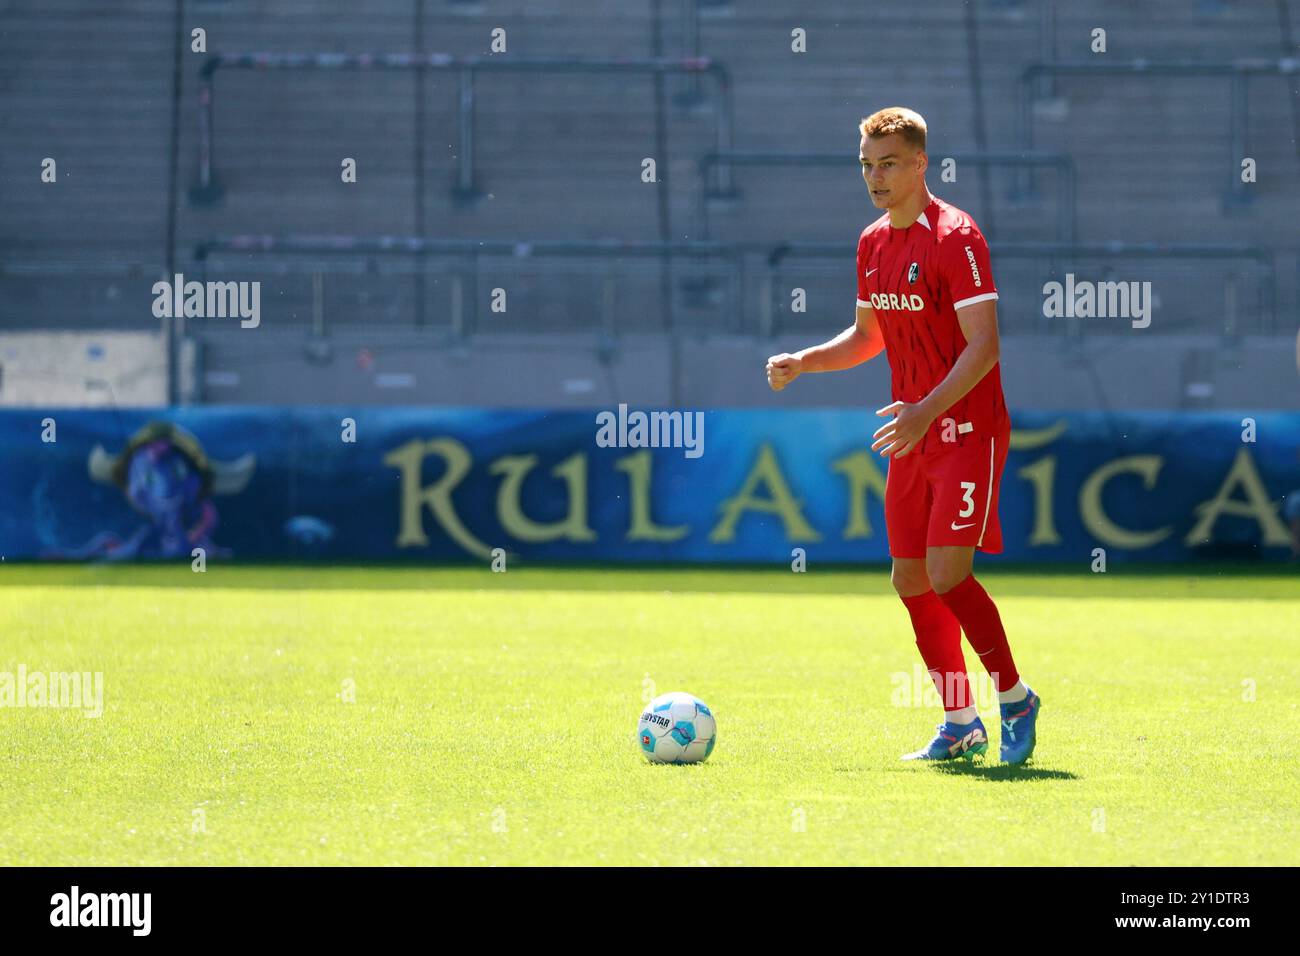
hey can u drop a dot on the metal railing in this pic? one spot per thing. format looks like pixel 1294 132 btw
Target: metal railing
pixel 1252 263
pixel 1238 73
pixel 207 187
pixel 744 278
pixel 606 259
pixel 723 163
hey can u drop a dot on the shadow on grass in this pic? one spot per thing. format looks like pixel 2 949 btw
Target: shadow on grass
pixel 985 770
pixel 1170 581
pixel 1002 771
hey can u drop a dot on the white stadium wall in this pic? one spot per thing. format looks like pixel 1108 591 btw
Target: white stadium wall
pixel 85 369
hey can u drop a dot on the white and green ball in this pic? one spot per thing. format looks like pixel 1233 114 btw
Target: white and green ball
pixel 676 728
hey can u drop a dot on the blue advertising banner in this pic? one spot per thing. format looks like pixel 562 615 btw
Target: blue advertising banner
pixel 732 485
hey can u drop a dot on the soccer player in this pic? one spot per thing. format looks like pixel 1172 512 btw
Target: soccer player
pixel 926 297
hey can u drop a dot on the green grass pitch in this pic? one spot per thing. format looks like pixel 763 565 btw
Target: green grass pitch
pixel 494 717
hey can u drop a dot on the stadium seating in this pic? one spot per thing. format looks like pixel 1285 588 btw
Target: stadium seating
pixel 557 156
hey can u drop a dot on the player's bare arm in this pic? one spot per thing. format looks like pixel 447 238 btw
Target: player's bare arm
pixel 910 421
pixel 856 344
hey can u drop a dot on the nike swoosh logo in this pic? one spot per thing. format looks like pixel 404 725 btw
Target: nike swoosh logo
pixel 869 271
pixel 958 527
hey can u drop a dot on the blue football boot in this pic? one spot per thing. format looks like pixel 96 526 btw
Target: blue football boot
pixel 1018 728
pixel 953 742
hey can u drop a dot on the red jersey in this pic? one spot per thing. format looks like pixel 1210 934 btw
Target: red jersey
pixel 915 280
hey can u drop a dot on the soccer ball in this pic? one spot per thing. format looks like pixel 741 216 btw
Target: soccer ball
pixel 676 728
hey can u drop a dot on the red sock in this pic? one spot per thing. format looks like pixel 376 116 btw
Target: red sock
pixel 938 638
pixel 973 607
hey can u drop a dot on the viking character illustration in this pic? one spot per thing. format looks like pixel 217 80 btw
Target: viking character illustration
pixel 167 477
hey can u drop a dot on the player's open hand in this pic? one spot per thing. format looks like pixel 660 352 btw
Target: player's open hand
pixel 902 432
pixel 782 370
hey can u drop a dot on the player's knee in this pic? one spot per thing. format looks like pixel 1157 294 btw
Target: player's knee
pixel 944 577
pixel 909 579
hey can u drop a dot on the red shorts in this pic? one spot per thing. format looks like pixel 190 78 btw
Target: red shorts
pixel 946 496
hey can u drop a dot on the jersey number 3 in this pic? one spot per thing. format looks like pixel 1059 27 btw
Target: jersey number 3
pixel 968 506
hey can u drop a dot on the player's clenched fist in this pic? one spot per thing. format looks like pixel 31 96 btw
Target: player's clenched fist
pixel 782 370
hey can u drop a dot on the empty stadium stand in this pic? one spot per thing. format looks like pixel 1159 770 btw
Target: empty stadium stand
pixel 522 172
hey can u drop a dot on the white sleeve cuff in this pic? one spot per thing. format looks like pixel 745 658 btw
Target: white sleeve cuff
pixel 863 305
pixel 973 299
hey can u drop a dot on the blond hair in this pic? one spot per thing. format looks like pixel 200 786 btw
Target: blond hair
pixel 908 124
